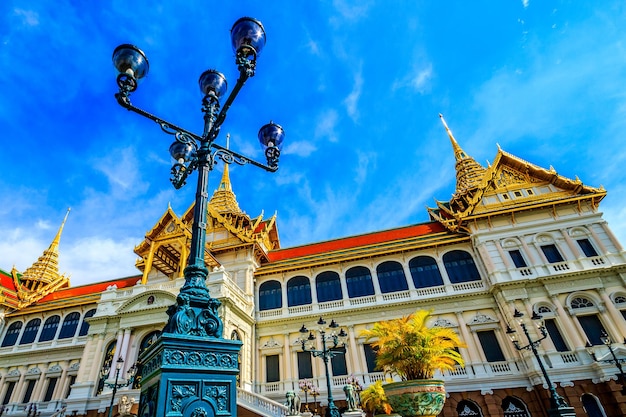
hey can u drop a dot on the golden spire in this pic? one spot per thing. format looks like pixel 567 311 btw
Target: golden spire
pixel 469 173
pixel 223 199
pixel 45 270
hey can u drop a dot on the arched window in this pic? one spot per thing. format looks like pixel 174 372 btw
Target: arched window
pixel 107 360
pixel 50 327
pixel 467 408
pixel 359 282
pixel 298 291
pixel 30 331
pixel 84 327
pixel 147 341
pixel 514 407
pixel 460 267
pixel 69 326
pixel 328 287
pixel 391 277
pixel 425 272
pixel 11 336
pixel 270 295
pixel 592 406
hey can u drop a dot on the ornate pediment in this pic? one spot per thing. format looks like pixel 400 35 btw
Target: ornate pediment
pixel 147 301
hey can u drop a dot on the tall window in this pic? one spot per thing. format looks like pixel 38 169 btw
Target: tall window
pixel 517 258
pixel 460 267
pixel 52 383
pixel 338 362
pixel 270 295
pixel 107 360
pixel 467 408
pixel 490 345
pixel 425 272
pixel 12 333
pixel 69 386
pixel 69 326
pixel 593 328
pixel 514 407
pixel 370 358
pixel 30 331
pixel 84 327
pixel 272 368
pixel 587 248
pixel 305 367
pixel 359 282
pixel 328 287
pixel 391 277
pixel 298 291
pixel 552 253
pixel 8 393
pixel 555 335
pixel 50 327
pixel 30 386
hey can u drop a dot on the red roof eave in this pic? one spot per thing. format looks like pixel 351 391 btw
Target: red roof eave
pixel 356 241
pixel 89 289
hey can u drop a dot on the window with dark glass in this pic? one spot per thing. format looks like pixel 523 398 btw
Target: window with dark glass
pixel 272 368
pixel 30 331
pixel 467 408
pixel 52 383
pixel 69 385
pixel 84 327
pixel 338 362
pixel 370 358
pixel 305 367
pixel 460 267
pixel 555 335
pixel 8 393
pixel 298 291
pixel 552 253
pixel 50 327
pixel 69 326
pixel 30 386
pixel 491 346
pixel 359 282
pixel 593 328
pixel 587 248
pixel 592 406
pixel 107 360
pixel 517 258
pixel 328 286
pixel 391 277
pixel 270 295
pixel 425 272
pixel 514 407
pixel 12 333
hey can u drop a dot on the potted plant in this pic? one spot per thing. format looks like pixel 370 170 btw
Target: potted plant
pixel 408 348
pixel 374 400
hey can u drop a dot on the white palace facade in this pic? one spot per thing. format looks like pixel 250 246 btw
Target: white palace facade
pixel 514 236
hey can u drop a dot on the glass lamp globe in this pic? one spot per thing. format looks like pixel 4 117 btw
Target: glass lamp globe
pixel 247 36
pixel 130 60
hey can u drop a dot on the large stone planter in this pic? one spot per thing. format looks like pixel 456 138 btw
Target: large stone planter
pixel 421 397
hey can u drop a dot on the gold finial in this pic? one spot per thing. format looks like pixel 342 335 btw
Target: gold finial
pixel 458 152
pixel 57 238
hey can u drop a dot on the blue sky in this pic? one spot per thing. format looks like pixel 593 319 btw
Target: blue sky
pixel 357 85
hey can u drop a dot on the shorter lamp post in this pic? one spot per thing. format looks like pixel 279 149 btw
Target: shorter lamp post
pixel 130 376
pixel 31 410
pixel 327 352
pixel 558 405
pixel 604 337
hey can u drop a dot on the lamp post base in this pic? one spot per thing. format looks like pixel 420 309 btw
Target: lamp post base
pixel 562 412
pixel 190 376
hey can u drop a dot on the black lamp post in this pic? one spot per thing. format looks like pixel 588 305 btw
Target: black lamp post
pixel 327 352
pixel 558 405
pixel 130 376
pixel 194 319
pixel 604 337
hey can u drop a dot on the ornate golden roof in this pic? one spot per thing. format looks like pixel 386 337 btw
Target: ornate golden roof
pixel 224 199
pixel 510 184
pixel 42 277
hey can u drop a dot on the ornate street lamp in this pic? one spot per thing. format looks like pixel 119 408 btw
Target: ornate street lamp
pixel 327 352
pixel 558 405
pixel 604 337
pixel 115 385
pixel 191 350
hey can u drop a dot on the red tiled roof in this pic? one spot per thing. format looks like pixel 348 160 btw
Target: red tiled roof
pixel 89 289
pixel 6 281
pixel 356 241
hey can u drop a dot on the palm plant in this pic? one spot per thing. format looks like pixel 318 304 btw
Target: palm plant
pixel 410 349
pixel 374 400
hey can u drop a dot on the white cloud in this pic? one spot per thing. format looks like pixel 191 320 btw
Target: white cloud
pixel 352 100
pixel 418 79
pixel 301 148
pixel 326 124
pixel 29 17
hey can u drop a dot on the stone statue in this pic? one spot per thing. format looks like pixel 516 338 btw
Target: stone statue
pixel 350 397
pixel 293 404
pixel 125 405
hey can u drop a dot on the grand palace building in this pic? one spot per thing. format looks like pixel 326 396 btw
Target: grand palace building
pixel 514 237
